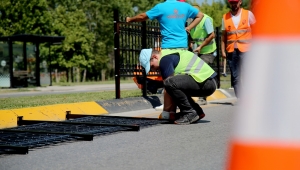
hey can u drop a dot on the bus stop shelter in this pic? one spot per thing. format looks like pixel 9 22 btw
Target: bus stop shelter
pixel 21 64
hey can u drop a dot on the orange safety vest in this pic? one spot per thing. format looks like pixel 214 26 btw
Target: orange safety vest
pixel 140 86
pixel 241 36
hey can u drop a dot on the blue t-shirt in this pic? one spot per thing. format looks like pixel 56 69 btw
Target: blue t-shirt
pixel 172 16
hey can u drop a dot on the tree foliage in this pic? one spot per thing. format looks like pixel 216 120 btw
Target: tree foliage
pixel 246 4
pixel 76 48
pixel 86 24
pixel 216 10
pixel 26 16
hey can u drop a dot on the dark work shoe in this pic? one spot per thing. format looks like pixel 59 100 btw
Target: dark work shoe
pixel 201 116
pixel 187 118
pixel 178 115
pixel 198 110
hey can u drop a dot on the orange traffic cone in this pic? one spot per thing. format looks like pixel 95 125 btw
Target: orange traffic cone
pixel 266 133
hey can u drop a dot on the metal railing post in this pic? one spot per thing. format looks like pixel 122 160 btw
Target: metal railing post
pixel 144 45
pixel 218 54
pixel 117 53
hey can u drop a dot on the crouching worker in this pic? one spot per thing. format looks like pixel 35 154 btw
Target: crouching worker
pixel 184 75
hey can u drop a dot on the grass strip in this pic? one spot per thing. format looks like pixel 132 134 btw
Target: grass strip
pixel 42 100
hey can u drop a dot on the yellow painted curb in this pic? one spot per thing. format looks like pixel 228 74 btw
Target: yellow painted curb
pixel 8 118
pixel 216 95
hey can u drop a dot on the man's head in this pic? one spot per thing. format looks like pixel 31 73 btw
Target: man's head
pixel 149 59
pixel 235 5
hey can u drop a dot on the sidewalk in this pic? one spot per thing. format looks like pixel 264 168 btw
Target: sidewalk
pixel 92 87
pixel 18 92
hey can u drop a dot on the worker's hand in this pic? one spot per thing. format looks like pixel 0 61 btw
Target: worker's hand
pixel 187 29
pixel 127 19
pixel 224 54
pixel 198 49
pixel 167 115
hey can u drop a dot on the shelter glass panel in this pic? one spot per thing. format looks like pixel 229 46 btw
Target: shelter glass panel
pixel 4 65
pixel 44 72
pixel 31 67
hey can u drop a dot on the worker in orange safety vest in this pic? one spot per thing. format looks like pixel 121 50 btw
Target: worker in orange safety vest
pixel 235 39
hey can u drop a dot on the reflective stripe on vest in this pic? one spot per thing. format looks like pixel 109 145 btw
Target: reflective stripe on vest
pixel 239 41
pixel 240 36
pixel 238 31
pixel 199 66
pixel 190 64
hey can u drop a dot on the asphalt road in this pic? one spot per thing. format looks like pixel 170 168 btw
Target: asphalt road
pixel 200 146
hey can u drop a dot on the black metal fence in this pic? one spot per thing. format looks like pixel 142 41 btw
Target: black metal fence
pixel 130 39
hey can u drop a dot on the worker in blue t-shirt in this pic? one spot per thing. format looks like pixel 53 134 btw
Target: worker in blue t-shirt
pixel 172 16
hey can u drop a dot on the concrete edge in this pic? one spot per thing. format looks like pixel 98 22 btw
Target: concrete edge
pixel 57 112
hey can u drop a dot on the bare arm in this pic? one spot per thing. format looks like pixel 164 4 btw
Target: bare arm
pixel 169 104
pixel 223 43
pixel 190 42
pixel 195 22
pixel 138 18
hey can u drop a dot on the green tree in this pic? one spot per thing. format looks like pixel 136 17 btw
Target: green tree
pixel 100 20
pixel 26 16
pixel 76 50
pixel 86 24
pixel 144 5
pixel 215 10
pixel 246 4
pixel 100 24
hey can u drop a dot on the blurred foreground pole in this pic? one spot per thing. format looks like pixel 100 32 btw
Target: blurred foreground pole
pixel 266 132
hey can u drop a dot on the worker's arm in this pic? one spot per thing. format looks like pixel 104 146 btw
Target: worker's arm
pixel 169 104
pixel 223 43
pixel 190 43
pixel 138 18
pixel 167 71
pixel 195 22
pixel 207 40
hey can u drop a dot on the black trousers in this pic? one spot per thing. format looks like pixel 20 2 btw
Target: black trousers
pixel 235 62
pixel 183 87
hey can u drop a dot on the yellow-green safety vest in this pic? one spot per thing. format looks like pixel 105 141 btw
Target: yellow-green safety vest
pixel 199 34
pixel 190 64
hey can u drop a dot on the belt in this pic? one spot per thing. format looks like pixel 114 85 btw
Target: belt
pixel 214 75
